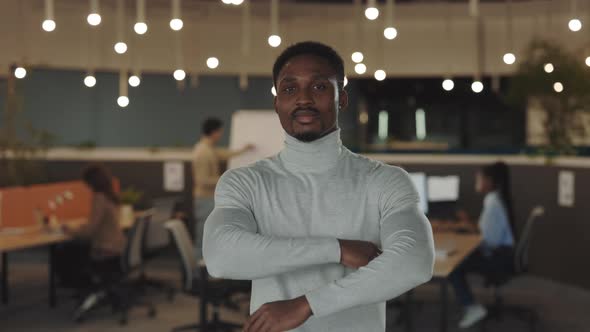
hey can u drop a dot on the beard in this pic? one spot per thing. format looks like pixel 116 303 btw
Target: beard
pixel 308 136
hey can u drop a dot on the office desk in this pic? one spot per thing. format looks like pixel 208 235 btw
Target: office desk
pixel 40 237
pixel 34 237
pixel 458 246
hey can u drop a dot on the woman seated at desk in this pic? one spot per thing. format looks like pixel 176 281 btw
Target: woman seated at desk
pixel 100 242
pixel 495 254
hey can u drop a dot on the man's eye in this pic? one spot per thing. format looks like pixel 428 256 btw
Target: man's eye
pixel 289 89
pixel 320 86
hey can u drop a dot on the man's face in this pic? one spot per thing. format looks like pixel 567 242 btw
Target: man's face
pixel 216 135
pixel 308 99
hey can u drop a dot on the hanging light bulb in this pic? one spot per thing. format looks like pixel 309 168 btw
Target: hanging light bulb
pixel 357 57
pixel 380 75
pixel 134 81
pixel 140 26
pixel 448 84
pixel 120 48
pixel 477 86
pixel 509 58
pixel 20 72
pixel 212 62
pixel 548 67
pixel 94 18
pixel 372 13
pixel 237 2
pixel 49 22
pixel 123 99
pixel 588 61
pixel 90 80
pixel 48 25
pixel 274 40
pixel 574 23
pixel 179 75
pixel 227 2
pixel 558 87
pixel 360 68
pixel 176 22
pixel 390 32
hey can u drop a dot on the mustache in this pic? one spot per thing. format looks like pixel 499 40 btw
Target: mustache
pixel 304 109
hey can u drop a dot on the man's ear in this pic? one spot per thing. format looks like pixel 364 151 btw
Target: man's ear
pixel 343 100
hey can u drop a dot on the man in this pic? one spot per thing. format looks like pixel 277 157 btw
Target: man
pixel 305 225
pixel 206 173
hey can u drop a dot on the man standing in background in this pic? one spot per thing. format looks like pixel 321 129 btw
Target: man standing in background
pixel 206 172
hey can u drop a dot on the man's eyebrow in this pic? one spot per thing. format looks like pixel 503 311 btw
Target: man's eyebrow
pixel 287 79
pixel 321 77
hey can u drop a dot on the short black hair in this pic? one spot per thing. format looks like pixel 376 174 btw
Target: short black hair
pixel 310 48
pixel 211 125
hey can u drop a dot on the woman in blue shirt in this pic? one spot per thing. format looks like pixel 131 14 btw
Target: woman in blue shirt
pixel 495 255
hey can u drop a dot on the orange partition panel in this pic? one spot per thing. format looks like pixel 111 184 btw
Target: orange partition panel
pixel 14 208
pixel 67 200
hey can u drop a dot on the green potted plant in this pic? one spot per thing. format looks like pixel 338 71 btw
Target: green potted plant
pixel 22 146
pixel 129 197
pixel 559 81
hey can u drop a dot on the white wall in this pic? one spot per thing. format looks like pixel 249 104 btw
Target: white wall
pixel 422 47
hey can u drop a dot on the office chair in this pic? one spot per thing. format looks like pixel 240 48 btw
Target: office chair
pixel 156 241
pixel 210 291
pixel 521 263
pixel 121 290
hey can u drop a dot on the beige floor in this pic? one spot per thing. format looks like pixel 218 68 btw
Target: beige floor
pixel 562 308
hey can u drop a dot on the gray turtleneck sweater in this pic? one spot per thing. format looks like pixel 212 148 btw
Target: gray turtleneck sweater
pixel 277 222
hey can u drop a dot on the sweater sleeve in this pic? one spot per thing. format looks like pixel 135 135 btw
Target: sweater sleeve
pixel 234 249
pixel 227 154
pixel 408 252
pixel 97 211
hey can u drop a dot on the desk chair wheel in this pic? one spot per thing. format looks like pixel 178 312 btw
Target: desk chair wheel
pixel 123 321
pixel 152 312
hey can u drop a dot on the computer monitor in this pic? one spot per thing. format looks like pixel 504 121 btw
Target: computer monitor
pixel 443 194
pixel 419 180
pixel 443 188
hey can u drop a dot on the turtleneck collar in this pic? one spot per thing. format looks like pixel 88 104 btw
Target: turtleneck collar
pixel 319 155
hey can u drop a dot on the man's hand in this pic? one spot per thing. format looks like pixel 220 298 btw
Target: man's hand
pixel 355 254
pixel 248 147
pixel 279 316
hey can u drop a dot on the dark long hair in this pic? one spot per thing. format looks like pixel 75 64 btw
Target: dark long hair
pixel 499 174
pixel 99 179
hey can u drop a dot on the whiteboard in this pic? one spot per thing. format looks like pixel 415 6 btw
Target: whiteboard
pixel 261 128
